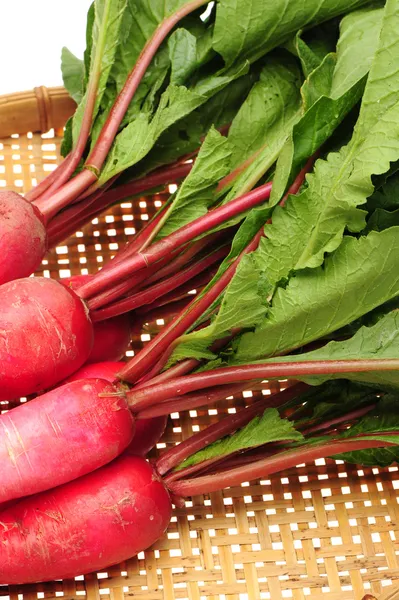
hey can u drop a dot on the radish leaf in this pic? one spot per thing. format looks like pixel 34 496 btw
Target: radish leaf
pixel 196 193
pixel 247 29
pixel 361 275
pixel 270 427
pixel 72 69
pixel 378 341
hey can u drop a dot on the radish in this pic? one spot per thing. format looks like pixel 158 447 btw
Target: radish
pixel 53 328
pixel 111 337
pixel 85 525
pixel 62 435
pixel 110 515
pixel 148 431
pixel 23 237
pixel 45 335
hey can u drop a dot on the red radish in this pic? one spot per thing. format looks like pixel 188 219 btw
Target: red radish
pixel 85 525
pixel 61 435
pixel 111 337
pixel 148 431
pixel 23 237
pixel 117 511
pixel 45 335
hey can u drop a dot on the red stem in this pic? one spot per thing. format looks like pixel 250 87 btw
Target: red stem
pixel 183 258
pixel 117 112
pixel 141 399
pixel 35 192
pixel 165 312
pixel 161 345
pixel 74 217
pixel 197 283
pixel 183 235
pixel 191 401
pixel 331 423
pixel 148 295
pixel 140 363
pixel 230 461
pixel 166 267
pixel 66 194
pixel 270 465
pixel 160 177
pixel 63 196
pixel 230 424
pixel 127 289
pixel 178 370
pixel 136 282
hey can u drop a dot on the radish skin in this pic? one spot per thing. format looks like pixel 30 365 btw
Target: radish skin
pixel 112 337
pixel 62 435
pixel 45 335
pixel 23 237
pixel 86 525
pixel 148 431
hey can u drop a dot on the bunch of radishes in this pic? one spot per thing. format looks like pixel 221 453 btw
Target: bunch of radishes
pixel 77 494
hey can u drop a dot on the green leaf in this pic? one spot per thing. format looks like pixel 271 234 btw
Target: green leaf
pixel 372 457
pixel 183 54
pixel 329 94
pixel 66 145
pixel 312 47
pixel 387 196
pixel 139 136
pixel 358 41
pixel 271 103
pixel 248 29
pixel 72 74
pixel 382 88
pixel 105 36
pixel 319 82
pixel 89 41
pixel 188 52
pixel 270 427
pixel 264 122
pixel 382 219
pixel 313 223
pixel 332 399
pixel 361 275
pixel 185 136
pixel 248 288
pixel 197 192
pixel 383 419
pixel 378 341
pixel 141 19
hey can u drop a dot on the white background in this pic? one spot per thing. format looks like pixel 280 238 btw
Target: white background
pixel 32 35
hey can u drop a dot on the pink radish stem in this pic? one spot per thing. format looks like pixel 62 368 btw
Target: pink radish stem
pixel 144 398
pixel 198 441
pixel 138 366
pixel 266 467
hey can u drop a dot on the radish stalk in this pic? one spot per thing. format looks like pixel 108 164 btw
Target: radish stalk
pixel 37 191
pixel 270 465
pixel 72 189
pixel 160 347
pixel 110 129
pixel 144 398
pixel 137 367
pixel 173 457
pixel 169 265
pixel 157 290
pixel 182 236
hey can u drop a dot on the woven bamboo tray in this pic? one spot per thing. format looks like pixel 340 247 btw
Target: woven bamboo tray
pixel 327 531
